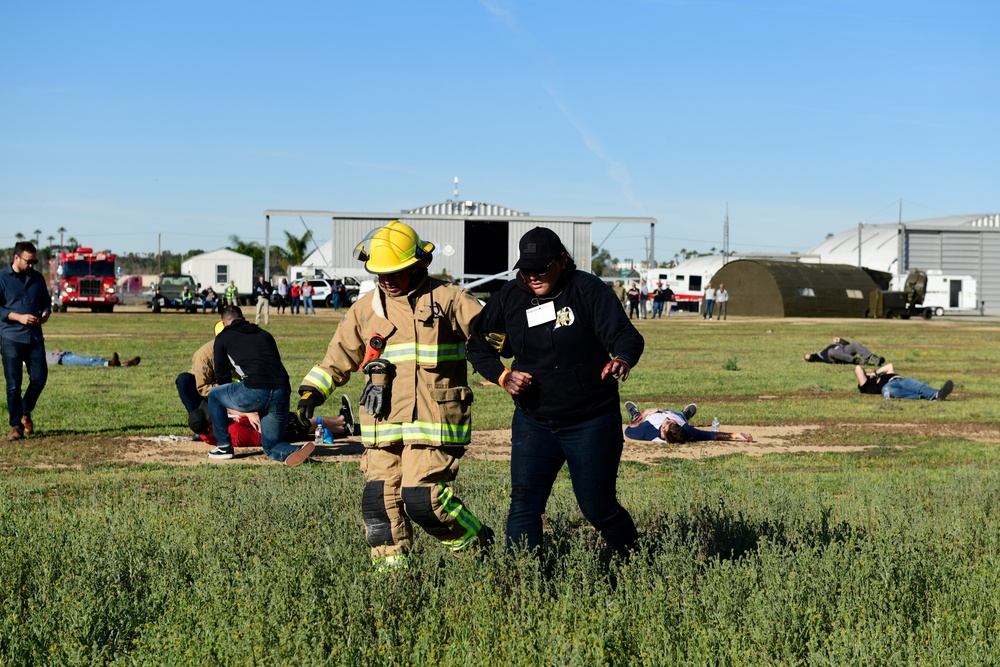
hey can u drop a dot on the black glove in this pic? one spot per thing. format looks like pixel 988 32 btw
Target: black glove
pixel 310 399
pixel 375 397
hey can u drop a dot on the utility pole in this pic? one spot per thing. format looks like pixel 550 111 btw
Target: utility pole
pixel 725 238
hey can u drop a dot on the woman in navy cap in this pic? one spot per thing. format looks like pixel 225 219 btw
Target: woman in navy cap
pixel 571 343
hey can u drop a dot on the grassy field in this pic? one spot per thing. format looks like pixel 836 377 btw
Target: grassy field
pixel 888 556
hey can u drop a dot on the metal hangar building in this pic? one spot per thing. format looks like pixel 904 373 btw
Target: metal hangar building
pixel 472 239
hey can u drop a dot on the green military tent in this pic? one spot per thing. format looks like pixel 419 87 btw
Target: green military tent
pixel 772 288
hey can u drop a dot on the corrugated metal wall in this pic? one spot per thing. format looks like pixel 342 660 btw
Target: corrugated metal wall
pixel 444 232
pixel 975 252
pixel 576 236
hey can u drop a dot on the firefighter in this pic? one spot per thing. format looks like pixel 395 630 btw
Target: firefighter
pixel 408 337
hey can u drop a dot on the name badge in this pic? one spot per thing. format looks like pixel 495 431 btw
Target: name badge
pixel 541 314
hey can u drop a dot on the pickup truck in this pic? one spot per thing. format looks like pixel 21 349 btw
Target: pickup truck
pixel 167 293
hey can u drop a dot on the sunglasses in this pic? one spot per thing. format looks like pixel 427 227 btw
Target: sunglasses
pixel 536 273
pixel 29 262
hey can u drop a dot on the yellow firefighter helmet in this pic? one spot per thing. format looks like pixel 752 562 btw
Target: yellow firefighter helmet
pixel 393 248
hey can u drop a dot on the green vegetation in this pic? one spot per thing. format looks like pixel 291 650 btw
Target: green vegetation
pixel 887 556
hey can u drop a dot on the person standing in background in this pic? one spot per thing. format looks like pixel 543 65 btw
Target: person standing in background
pixel 722 298
pixel 282 295
pixel 708 302
pixel 263 292
pixel 231 295
pixel 307 298
pixel 296 293
pixel 643 298
pixel 633 301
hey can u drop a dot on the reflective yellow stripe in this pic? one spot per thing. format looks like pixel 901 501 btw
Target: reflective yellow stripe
pixel 321 380
pixel 423 353
pixel 444 434
pixel 465 518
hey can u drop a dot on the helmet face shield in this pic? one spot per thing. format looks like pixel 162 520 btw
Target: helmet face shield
pixel 362 250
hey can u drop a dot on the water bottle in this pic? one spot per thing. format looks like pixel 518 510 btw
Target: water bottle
pixel 319 431
pixel 715 425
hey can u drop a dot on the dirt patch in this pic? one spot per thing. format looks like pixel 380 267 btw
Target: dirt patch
pixel 495 445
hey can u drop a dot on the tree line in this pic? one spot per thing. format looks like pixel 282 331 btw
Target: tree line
pixel 294 252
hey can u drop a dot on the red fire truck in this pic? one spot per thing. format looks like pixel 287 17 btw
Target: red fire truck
pixel 87 279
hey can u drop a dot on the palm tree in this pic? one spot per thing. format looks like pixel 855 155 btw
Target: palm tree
pixel 61 230
pixel 38 234
pixel 73 243
pixel 19 236
pixel 298 248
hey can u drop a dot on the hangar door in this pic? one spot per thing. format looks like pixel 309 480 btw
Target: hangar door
pixel 485 247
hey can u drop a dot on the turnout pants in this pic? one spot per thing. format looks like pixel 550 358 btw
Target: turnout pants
pixel 406 484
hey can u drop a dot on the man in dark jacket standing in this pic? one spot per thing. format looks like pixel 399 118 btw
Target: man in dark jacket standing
pixel 25 305
pixel 251 353
pixel 571 342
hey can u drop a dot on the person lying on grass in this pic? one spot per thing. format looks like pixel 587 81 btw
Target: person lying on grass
pixel 244 427
pixel 885 381
pixel 672 426
pixel 843 351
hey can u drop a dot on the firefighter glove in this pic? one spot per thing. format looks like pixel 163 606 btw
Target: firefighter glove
pixel 375 397
pixel 498 341
pixel 309 401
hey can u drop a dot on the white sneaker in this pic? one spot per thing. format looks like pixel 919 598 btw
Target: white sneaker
pixel 222 453
pixel 633 410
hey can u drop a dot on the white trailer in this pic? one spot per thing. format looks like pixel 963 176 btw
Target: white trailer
pixel 687 280
pixel 945 293
pixel 217 268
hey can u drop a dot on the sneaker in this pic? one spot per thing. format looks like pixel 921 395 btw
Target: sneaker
pixel 299 456
pixel 29 426
pixel 690 411
pixel 945 390
pixel 132 362
pixel 633 410
pixel 222 453
pixel 347 412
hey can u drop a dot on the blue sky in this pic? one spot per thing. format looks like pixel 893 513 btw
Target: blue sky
pixel 125 121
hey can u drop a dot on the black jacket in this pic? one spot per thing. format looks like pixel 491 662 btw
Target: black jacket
pixel 250 352
pixel 565 357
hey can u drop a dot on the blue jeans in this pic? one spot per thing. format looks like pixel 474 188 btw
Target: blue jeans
pixel 70 359
pixel 187 389
pixel 592 449
pixel 270 404
pixel 14 356
pixel 657 309
pixel 307 305
pixel 900 387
